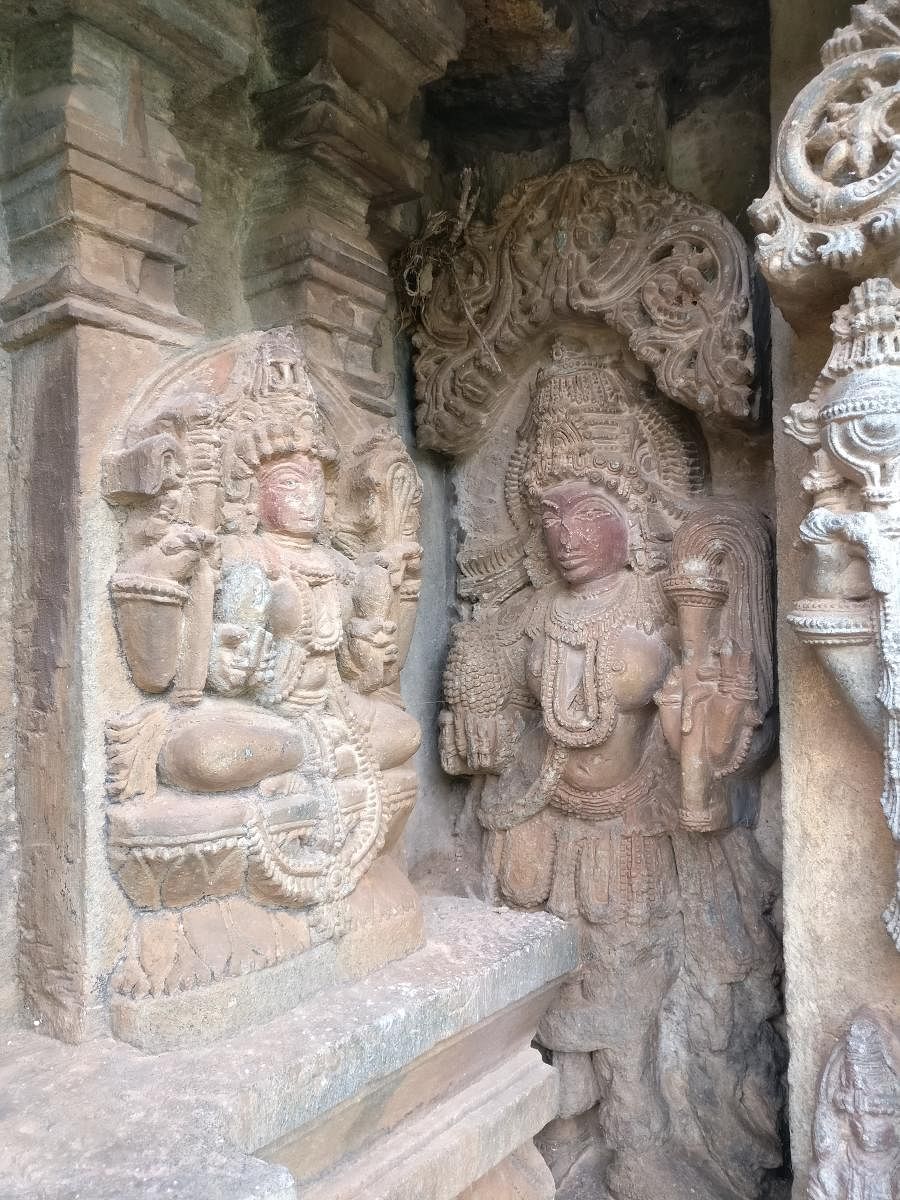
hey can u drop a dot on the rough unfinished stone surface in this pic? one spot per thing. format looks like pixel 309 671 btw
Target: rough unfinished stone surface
pixel 104 1121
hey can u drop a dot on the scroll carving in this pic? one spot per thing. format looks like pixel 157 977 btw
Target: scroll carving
pixel 852 426
pixel 830 216
pixel 669 274
pixel 611 694
pixel 264 600
pixel 856 1135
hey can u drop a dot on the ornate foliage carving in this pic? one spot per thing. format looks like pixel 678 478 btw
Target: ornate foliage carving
pixel 831 212
pixel 265 597
pixel 669 274
pixel 856 1135
pixel 852 425
pixel 611 695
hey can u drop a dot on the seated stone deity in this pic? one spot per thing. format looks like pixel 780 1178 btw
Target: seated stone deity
pixel 250 800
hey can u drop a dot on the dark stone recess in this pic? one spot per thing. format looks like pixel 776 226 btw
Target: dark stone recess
pixel 527 65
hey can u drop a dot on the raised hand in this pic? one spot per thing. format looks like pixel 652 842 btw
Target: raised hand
pixel 174 556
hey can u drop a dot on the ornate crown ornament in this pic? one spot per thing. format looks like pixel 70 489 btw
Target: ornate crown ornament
pixel 580 422
pixel 852 409
pixel 282 415
pixel 279 366
pixel 867 1082
pixel 591 419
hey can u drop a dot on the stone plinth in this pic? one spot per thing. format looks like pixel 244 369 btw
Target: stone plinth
pixel 415 1082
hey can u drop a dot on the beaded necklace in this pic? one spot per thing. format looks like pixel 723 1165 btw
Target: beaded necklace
pixel 588 624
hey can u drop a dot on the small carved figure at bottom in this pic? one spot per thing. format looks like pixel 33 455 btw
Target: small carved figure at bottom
pixel 856 1137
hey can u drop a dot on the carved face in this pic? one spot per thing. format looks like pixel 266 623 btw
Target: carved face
pixel 292 496
pixel 585 530
pixel 875 1134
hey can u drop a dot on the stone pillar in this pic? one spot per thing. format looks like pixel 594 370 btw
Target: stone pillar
pixel 96 196
pixel 209 640
pixel 345 156
pixel 829 222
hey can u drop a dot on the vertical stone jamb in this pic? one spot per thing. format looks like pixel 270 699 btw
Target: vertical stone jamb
pixel 96 195
pixel 343 155
pixel 829 221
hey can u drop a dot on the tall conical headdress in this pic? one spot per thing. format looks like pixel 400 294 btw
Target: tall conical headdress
pixel 591 419
pixel 868 1082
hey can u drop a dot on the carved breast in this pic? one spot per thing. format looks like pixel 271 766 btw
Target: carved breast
pixel 637 666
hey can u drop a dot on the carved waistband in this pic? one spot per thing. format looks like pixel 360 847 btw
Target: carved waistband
pixel 602 803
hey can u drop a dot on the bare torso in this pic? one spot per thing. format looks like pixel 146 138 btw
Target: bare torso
pixel 637 664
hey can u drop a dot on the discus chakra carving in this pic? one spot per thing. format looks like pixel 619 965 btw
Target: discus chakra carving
pixel 266 595
pixel 834 202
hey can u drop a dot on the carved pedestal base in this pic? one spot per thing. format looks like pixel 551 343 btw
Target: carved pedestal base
pixel 522 1176
pixel 274 959
pixel 419 1081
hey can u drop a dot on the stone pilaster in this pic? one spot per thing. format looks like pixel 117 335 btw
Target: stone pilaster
pixel 96 195
pixel 344 153
pixel 829 221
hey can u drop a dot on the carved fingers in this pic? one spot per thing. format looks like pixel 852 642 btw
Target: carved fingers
pixel 735 669
pixel 452 750
pixel 400 559
pixel 175 555
pixel 669 700
pixel 474 743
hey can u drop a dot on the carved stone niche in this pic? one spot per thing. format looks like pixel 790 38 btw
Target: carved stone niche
pixel 610 692
pixel 264 597
pixel 851 615
pixel 832 213
pixel 856 1134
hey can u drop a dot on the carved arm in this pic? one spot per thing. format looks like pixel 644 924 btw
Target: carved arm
pixel 719 696
pixel 476 735
pixel 149 595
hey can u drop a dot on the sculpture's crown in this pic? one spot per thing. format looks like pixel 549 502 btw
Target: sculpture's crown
pixel 868 1083
pixel 866 330
pixel 583 415
pixel 283 416
pixel 280 367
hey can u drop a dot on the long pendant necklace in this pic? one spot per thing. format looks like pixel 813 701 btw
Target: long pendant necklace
pixel 587 624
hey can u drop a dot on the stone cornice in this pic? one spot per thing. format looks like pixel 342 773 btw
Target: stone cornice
pixel 200 43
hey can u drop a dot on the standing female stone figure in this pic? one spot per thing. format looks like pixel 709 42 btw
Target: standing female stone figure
pixel 573 701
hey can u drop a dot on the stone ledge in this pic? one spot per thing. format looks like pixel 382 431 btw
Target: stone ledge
pixel 451 1144
pixel 102 1121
